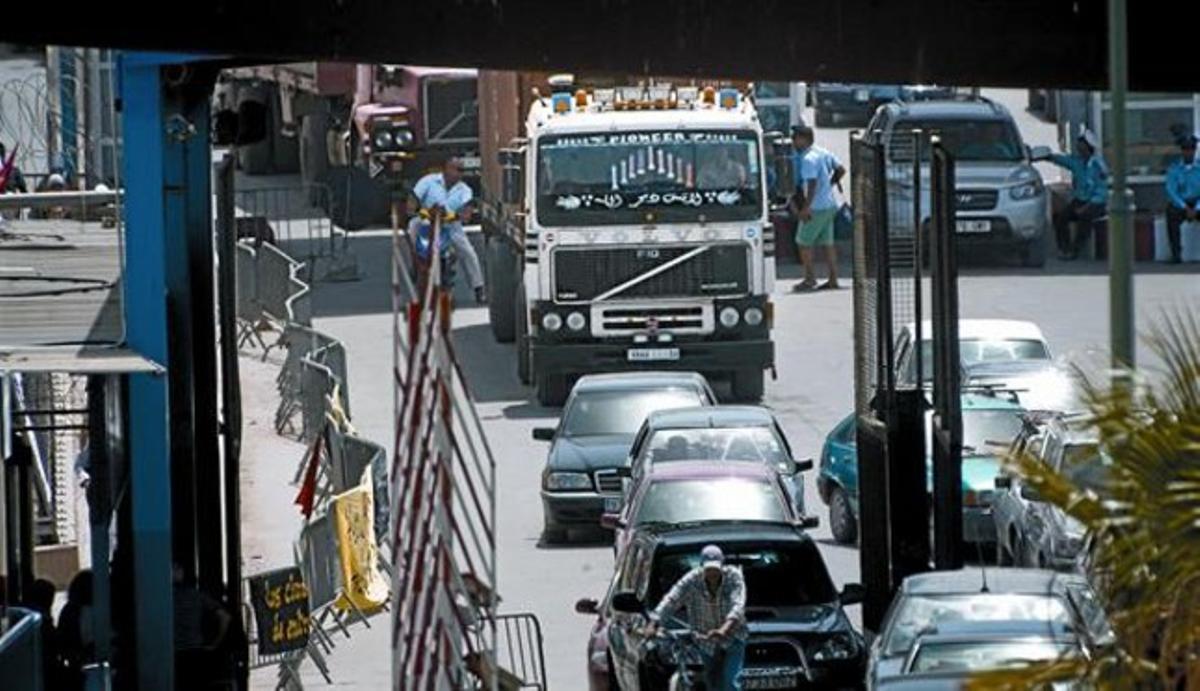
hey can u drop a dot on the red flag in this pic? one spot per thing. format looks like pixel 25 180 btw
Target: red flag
pixel 308 488
pixel 8 167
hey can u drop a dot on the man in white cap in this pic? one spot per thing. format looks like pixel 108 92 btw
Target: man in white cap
pixel 1089 193
pixel 712 599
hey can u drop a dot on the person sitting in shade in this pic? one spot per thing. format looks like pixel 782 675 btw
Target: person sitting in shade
pixel 1183 193
pixel 1089 194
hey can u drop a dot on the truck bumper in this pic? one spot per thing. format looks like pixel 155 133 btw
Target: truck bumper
pixel 694 356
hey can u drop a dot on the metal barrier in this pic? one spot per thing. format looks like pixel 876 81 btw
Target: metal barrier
pixel 443 501
pixel 293 218
pixel 520 663
pixel 21 661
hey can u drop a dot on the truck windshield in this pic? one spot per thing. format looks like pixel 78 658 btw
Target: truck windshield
pixel 640 177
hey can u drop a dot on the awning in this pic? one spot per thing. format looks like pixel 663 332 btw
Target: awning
pixel 77 360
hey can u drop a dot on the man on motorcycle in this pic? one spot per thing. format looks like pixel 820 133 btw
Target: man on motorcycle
pixel 447 190
pixel 712 598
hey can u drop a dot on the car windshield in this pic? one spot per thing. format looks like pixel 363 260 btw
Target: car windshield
pixel 983 429
pixel 982 139
pixel 596 413
pixel 792 575
pixel 973 656
pixel 1085 465
pixel 631 177
pixel 916 613
pixel 759 444
pixel 685 501
pixel 973 351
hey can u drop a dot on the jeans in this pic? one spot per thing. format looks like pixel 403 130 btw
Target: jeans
pixel 1175 218
pixel 725 668
pixel 1082 214
pixel 462 245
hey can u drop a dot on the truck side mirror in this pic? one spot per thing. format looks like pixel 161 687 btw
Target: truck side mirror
pixel 512 168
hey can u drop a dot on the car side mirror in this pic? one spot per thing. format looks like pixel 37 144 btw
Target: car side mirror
pixel 1030 494
pixel 543 433
pixel 853 594
pixel 1039 153
pixel 809 522
pixel 587 606
pixel 802 466
pixel 627 602
pixel 611 521
pixel 1003 482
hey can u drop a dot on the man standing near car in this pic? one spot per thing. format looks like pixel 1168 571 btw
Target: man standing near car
pixel 817 172
pixel 1089 193
pixel 448 191
pixel 712 598
pixel 1183 193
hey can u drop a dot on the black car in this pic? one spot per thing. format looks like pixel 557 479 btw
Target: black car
pixel 800 636
pixel 592 440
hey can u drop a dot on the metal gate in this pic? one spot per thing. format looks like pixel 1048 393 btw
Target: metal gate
pixel 891 240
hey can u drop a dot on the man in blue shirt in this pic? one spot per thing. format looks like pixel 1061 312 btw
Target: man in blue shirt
pixel 817 172
pixel 1089 194
pixel 447 191
pixel 1183 192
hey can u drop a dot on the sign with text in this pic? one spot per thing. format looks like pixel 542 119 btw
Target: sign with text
pixel 280 602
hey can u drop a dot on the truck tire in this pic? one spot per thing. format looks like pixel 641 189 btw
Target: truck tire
pixel 552 389
pixel 748 385
pixel 502 288
pixel 521 319
pixel 285 150
pixel 255 159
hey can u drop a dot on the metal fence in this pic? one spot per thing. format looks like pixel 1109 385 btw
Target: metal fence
pixel 21 650
pixel 294 219
pixel 443 501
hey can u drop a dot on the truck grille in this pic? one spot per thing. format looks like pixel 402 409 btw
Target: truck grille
pixel 608 482
pixel 625 321
pixel 451 110
pixel 975 200
pixel 581 274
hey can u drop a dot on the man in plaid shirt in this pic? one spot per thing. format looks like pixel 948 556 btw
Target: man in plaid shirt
pixel 712 599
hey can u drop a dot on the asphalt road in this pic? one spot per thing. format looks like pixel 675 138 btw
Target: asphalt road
pixel 813 392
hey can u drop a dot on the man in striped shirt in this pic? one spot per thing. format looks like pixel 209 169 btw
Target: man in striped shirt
pixel 711 599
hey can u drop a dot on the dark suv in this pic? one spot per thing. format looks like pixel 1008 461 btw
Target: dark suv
pixel 799 633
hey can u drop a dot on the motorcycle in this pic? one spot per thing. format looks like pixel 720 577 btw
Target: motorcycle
pixel 423 244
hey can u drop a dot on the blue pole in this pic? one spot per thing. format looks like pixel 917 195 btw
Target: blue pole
pixel 69 128
pixel 147 260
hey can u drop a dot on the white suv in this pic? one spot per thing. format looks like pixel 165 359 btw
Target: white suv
pixel 1001 200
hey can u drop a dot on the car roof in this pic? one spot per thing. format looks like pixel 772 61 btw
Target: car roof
pixel 678 471
pixel 724 531
pixel 951 109
pixel 633 381
pixel 1000 582
pixel 711 416
pixel 978 329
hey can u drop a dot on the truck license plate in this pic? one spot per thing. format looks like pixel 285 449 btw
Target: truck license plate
pixel 470 162
pixel 652 354
pixel 973 226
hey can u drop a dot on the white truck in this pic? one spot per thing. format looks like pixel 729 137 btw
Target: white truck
pixel 631 232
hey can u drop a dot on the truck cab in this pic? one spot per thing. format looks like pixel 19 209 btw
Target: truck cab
pixel 645 242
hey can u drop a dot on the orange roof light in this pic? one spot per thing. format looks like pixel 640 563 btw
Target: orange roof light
pixel 709 96
pixel 581 99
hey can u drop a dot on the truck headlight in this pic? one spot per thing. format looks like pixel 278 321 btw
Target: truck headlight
pixel 551 322
pixel 383 139
pixel 753 316
pixel 402 137
pixel 1026 190
pixel 729 317
pixel 836 647
pixel 576 321
pixel 568 481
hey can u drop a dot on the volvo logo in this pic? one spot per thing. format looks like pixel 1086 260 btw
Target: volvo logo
pixel 964 198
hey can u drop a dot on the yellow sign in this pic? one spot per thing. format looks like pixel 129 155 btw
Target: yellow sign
pixel 354 520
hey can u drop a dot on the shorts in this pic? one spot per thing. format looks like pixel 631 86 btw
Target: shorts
pixel 818 230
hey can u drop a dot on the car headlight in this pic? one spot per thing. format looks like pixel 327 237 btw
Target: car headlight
pixel 568 481
pixel 551 322
pixel 402 137
pixel 1026 190
pixel 383 139
pixel 1069 545
pixel 576 321
pixel 753 316
pixel 837 647
pixel 729 317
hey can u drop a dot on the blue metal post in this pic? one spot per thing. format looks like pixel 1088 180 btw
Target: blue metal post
pixel 68 81
pixel 147 262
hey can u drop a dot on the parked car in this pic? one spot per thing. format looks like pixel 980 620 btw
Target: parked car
pixel 593 436
pixel 929 600
pixel 835 103
pixel 1031 532
pixel 987 420
pixel 718 433
pixel 800 635
pixel 979 341
pixel 981 646
pixel 687 492
pixel 1000 199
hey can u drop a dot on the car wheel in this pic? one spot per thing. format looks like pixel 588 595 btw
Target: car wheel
pixel 553 534
pixel 1033 254
pixel 841 518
